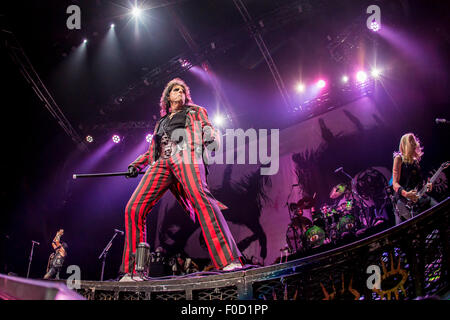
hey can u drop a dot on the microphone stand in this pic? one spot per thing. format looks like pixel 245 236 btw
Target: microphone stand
pixel 31 257
pixel 291 216
pixel 287 202
pixel 97 175
pixel 105 253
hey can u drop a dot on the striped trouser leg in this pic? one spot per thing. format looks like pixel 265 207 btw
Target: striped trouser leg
pixel 150 189
pixel 219 240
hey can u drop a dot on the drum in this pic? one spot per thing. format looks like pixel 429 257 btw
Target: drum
pixel 346 206
pixel 332 232
pixel 320 222
pixel 346 225
pixel 330 215
pixel 306 213
pixel 326 211
pixel 315 237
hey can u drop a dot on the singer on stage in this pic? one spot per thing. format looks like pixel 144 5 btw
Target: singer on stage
pixel 176 164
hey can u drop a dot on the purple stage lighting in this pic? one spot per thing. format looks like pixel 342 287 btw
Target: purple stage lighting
pixel 344 79
pixel 115 138
pixel 361 76
pixel 149 137
pixel 321 83
pixel 89 139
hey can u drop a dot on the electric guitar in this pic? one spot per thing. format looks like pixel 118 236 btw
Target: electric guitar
pixel 415 205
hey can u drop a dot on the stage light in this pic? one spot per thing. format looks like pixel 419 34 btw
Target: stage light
pixel 300 87
pixel 115 138
pixel 375 73
pixel 344 79
pixel 89 139
pixel 112 25
pixel 149 137
pixel 85 40
pixel 321 84
pixel 184 63
pixel 361 76
pixel 374 26
pixel 136 12
pixel 219 120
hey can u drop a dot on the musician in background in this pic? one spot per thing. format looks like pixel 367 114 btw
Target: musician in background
pixel 407 178
pixel 182 265
pixel 56 259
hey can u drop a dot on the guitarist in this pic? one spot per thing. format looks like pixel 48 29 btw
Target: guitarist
pixel 56 259
pixel 407 178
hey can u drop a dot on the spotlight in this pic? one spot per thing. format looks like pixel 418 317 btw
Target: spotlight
pixel 115 138
pixel 374 26
pixel 136 12
pixel 344 79
pixel 375 73
pixel 361 76
pixel 149 137
pixel 219 120
pixel 89 139
pixel 321 84
pixel 300 87
pixel 184 63
pixel 85 40
pixel 112 26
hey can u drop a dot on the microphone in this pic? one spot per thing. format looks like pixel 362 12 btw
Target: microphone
pixel 142 257
pixel 118 231
pixel 437 120
pixel 35 242
pixel 338 169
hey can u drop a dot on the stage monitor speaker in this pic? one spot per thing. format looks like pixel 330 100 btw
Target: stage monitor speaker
pixel 17 288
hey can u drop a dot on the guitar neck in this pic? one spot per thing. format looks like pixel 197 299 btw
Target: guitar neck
pixel 436 175
pixel 432 180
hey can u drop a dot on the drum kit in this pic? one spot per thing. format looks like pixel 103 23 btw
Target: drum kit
pixel 331 224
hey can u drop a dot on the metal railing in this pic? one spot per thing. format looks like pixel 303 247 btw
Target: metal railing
pixel 410 260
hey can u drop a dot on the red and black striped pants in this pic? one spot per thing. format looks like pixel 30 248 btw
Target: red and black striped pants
pixel 155 182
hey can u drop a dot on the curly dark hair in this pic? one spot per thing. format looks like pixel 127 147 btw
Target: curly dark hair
pixel 164 102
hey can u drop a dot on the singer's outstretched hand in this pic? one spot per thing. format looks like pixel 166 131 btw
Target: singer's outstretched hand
pixel 132 172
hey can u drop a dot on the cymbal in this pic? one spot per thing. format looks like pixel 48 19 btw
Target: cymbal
pixel 338 191
pixel 301 221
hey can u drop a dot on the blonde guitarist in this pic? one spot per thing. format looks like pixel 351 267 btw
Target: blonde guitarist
pixel 407 178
